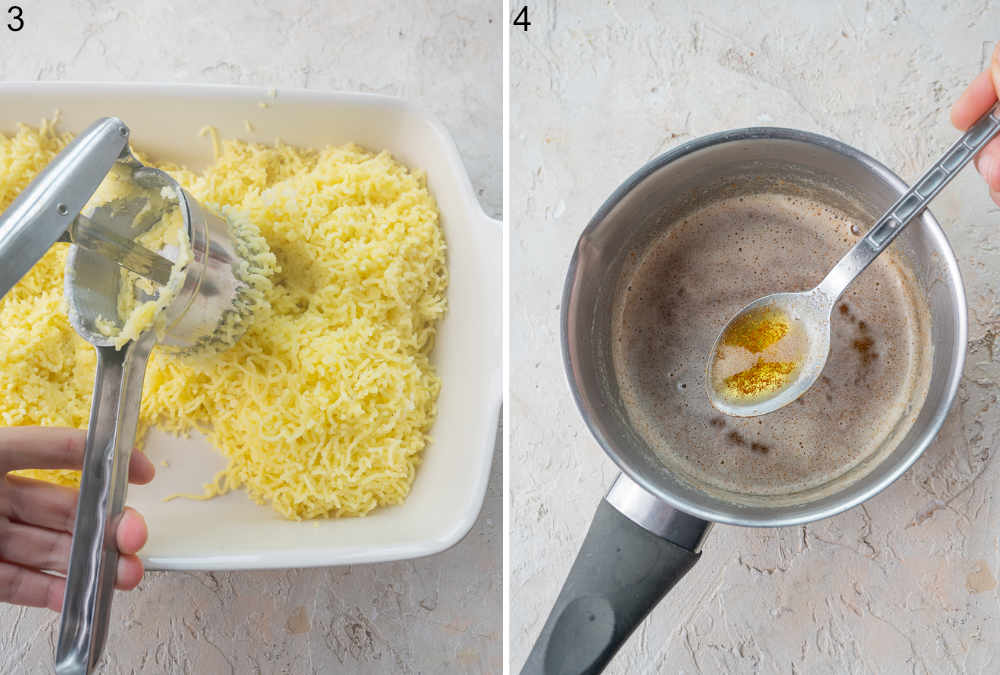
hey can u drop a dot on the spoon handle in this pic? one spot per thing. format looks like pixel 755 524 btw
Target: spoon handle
pixel 910 205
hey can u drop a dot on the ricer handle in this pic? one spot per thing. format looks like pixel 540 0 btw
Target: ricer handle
pixel 44 210
pixel 637 548
pixel 93 560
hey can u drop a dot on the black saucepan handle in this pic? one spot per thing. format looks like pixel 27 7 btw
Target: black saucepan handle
pixel 623 569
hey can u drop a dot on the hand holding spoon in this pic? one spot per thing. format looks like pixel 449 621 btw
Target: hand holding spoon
pixel 774 349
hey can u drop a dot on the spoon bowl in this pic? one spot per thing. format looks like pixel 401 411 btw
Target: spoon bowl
pixel 810 312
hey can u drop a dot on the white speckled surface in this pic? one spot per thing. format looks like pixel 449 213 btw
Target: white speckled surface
pixel 434 615
pixel 904 584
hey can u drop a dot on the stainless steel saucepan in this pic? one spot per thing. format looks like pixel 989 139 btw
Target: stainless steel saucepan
pixel 648 530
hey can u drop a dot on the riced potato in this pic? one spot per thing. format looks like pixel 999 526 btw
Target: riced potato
pixel 323 408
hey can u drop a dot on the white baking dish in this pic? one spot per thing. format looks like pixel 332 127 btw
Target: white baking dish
pixel 231 532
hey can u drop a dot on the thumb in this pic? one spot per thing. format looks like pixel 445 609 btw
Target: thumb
pixel 995 69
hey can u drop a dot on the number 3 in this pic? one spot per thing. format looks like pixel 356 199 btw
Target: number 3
pixel 16 22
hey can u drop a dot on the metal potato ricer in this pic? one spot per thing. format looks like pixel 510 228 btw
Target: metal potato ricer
pixel 57 206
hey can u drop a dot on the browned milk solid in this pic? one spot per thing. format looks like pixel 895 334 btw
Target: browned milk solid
pixel 692 279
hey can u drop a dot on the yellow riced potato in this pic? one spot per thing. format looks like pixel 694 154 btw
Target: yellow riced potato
pixel 323 407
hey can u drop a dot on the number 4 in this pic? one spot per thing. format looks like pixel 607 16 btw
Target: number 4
pixel 522 19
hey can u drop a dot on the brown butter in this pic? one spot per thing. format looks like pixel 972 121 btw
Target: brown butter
pixel 705 268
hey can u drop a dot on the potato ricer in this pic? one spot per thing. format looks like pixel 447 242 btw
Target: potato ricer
pixel 208 312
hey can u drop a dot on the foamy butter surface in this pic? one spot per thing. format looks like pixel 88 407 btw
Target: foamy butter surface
pixel 689 282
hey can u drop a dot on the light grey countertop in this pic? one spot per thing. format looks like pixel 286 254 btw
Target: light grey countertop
pixel 432 615
pixel 904 584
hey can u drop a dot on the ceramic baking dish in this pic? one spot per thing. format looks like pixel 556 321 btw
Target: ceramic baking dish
pixel 231 532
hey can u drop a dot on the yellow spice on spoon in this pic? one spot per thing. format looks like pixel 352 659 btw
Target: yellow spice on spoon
pixel 757 330
pixel 758 355
pixel 761 378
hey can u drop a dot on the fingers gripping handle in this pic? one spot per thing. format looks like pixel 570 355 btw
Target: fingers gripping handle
pixel 934 179
pixel 911 204
pixel 621 572
pixel 93 562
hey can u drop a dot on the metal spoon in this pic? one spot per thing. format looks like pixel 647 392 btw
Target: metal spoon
pixel 811 310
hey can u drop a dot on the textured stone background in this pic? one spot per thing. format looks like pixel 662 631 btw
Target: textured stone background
pixel 438 614
pixel 904 584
